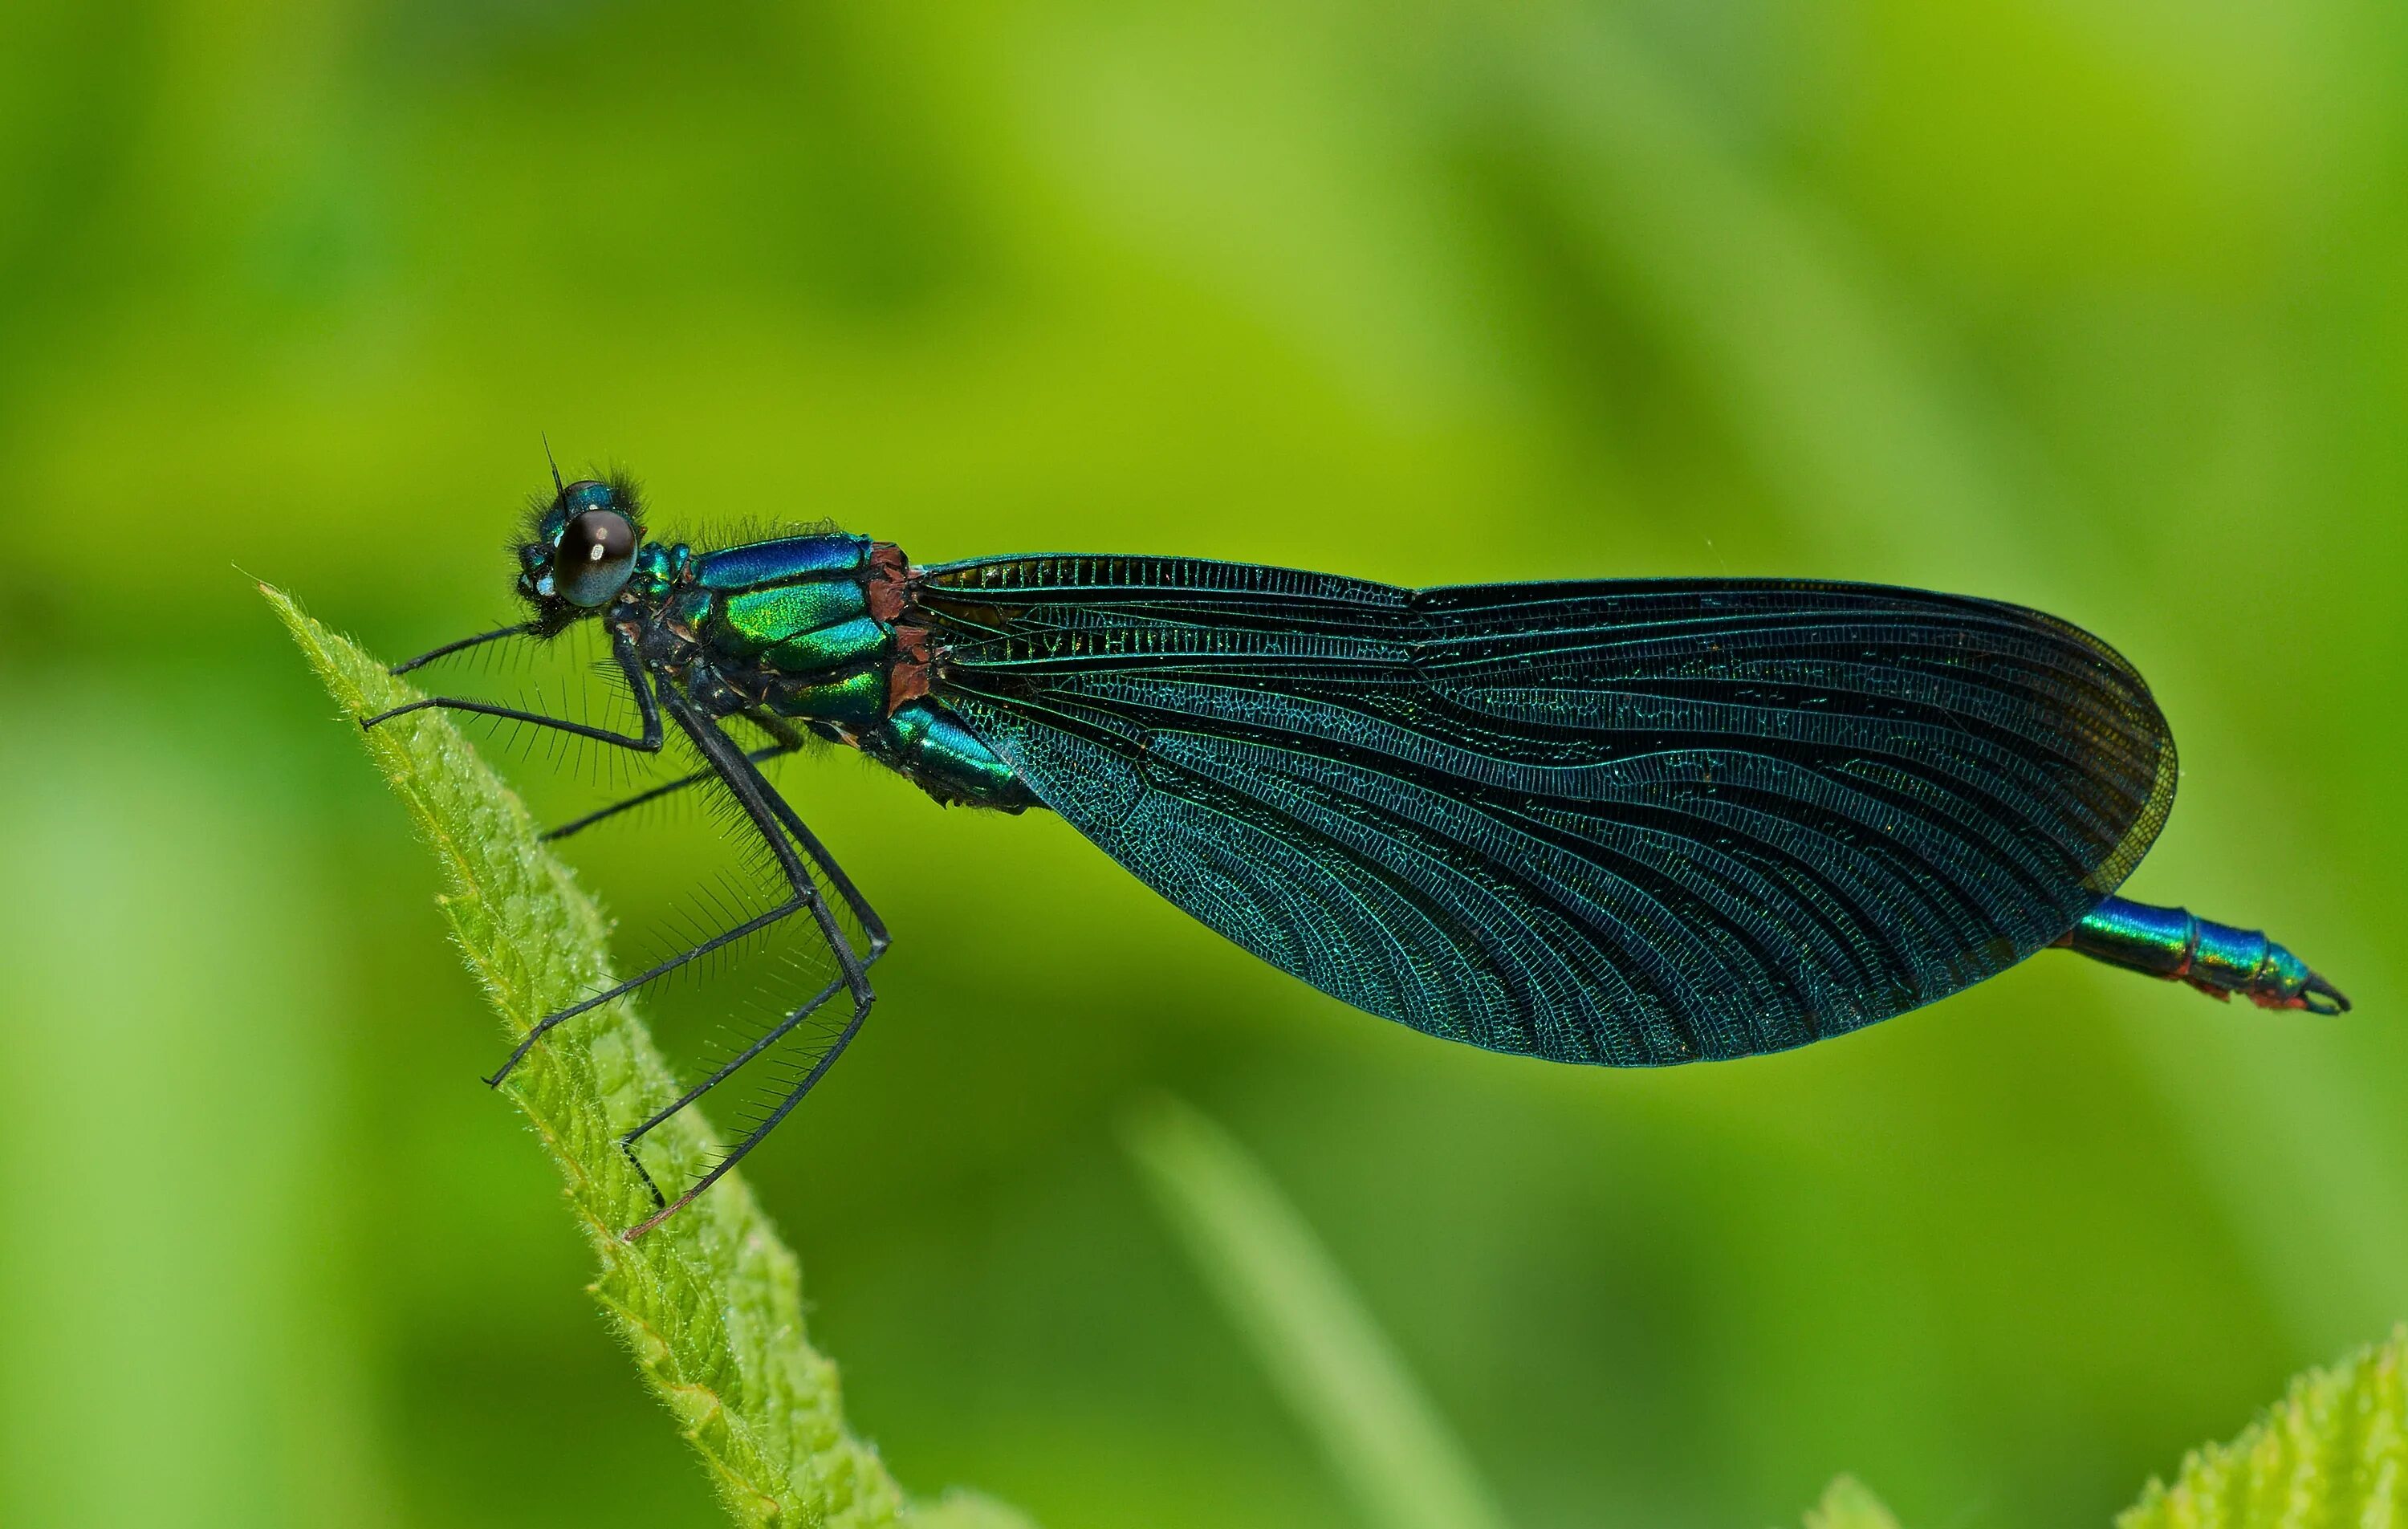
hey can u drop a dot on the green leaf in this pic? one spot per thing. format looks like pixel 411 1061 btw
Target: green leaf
pixel 2330 1454
pixel 709 1302
pixel 959 1509
pixel 1327 1357
pixel 1848 1505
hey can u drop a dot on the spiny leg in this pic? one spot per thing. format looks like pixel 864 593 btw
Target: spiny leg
pixel 792 905
pixel 622 649
pixel 788 740
pixel 745 782
pixel 768 810
pixel 811 1006
pixel 754 1138
pixel 727 1069
pixel 523 629
pixel 871 924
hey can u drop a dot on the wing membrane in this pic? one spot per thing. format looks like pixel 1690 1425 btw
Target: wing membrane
pixel 1629 822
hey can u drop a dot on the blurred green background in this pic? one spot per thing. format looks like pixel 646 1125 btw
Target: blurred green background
pixel 2093 306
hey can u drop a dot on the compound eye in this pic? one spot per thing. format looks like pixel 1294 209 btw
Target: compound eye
pixel 596 552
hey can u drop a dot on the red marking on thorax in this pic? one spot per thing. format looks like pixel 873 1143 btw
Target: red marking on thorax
pixel 886 584
pixel 907 677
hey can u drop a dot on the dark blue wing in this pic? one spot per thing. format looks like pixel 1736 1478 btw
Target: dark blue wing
pixel 1628 823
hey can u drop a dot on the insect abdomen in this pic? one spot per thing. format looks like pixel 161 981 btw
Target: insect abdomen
pixel 922 739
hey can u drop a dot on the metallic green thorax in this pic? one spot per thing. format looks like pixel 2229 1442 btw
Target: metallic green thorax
pixel 815 629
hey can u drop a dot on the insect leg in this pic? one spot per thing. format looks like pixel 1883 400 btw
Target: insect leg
pixel 726 1070
pixel 871 924
pixel 622 649
pixel 523 630
pixel 768 811
pixel 735 1153
pixel 787 741
pixel 879 943
pixel 785 745
pixel 745 782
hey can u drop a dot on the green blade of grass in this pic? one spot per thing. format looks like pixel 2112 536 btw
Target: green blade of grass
pixel 1337 1370
pixel 710 1302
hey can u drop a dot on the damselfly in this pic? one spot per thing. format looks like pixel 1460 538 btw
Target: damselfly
pixel 1626 822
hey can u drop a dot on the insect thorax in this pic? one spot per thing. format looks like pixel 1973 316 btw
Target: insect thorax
pixel 817 629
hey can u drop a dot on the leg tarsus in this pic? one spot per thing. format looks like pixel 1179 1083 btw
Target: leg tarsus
pixel 754 1137
pixel 627 1150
